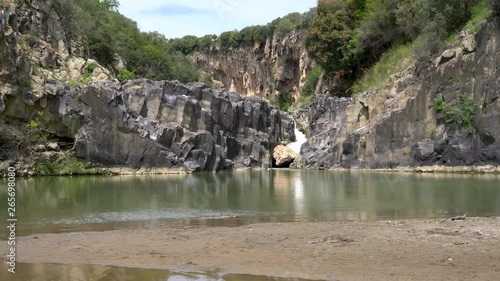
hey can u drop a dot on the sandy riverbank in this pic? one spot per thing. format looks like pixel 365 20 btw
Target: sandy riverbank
pixel 386 250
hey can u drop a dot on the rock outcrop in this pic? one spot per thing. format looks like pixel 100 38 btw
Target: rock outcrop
pixel 138 124
pixel 279 65
pixel 399 125
pixel 35 50
pixel 146 124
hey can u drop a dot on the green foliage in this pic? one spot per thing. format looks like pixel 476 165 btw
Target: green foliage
pixel 247 37
pixel 440 105
pixel 91 67
pixel 186 45
pixel 35 132
pixel 285 25
pixel 461 115
pixel 68 165
pixel 312 81
pixel 346 37
pixel 125 75
pixel 73 84
pixel 284 101
pixel 329 36
pixel 433 133
pixel 148 54
pixel 376 32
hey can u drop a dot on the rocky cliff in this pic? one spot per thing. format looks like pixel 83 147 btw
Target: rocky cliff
pixel 146 124
pixel 280 65
pixel 138 124
pixel 402 125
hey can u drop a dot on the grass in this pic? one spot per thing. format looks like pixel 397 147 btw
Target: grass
pixel 400 57
pixel 479 12
pixel 393 61
pixel 303 101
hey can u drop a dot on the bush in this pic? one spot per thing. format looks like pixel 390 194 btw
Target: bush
pixel 125 75
pixel 68 165
pixel 440 105
pixel 312 81
pixel 461 115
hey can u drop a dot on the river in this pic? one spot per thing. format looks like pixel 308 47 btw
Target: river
pixel 71 204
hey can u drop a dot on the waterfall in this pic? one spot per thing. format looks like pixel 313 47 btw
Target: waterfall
pixel 300 140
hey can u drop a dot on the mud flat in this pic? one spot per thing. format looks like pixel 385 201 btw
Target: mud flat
pixel 383 250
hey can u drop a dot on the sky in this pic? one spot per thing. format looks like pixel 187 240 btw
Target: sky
pixel 177 18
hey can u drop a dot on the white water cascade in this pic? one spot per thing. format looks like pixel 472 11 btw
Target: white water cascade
pixel 300 140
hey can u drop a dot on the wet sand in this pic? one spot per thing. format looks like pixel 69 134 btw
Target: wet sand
pixel 384 250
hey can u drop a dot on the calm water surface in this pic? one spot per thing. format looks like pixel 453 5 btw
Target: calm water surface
pixel 61 204
pixel 69 272
pixel 58 204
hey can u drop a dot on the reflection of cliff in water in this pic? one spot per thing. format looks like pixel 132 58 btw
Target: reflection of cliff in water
pixel 233 198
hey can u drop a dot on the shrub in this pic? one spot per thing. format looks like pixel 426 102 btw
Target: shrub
pixel 440 105
pixel 284 101
pixel 91 67
pixel 125 75
pixel 312 81
pixel 461 115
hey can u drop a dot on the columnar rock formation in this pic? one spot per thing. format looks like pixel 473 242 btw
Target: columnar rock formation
pixel 399 125
pixel 160 124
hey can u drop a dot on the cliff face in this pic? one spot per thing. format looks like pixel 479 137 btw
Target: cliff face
pixel 146 124
pixel 34 50
pixel 138 124
pixel 400 124
pixel 278 66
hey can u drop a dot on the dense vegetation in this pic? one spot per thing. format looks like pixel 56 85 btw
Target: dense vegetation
pixel 106 33
pixel 247 37
pixel 346 37
pixel 361 42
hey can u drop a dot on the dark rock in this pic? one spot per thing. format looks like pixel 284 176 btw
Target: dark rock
pixel 146 123
pixel 391 127
pixel 424 151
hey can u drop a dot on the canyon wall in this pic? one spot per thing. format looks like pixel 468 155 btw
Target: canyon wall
pixel 280 65
pixel 137 124
pixel 401 126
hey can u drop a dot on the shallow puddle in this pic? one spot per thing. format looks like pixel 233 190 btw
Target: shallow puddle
pixel 71 272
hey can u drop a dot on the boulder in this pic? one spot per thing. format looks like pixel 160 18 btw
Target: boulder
pixel 284 156
pixel 52 146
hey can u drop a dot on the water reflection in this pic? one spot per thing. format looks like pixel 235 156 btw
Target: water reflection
pixel 57 272
pixel 99 203
pixel 298 192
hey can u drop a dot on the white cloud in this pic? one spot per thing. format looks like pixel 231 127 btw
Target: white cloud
pixel 176 18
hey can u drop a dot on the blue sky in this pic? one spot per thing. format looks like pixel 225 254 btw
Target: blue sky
pixel 177 18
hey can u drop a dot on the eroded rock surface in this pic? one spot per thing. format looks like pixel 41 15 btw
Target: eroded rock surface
pixel 399 125
pixel 278 65
pixel 145 123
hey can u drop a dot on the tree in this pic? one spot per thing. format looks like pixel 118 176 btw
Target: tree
pixel 377 30
pixel 329 36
